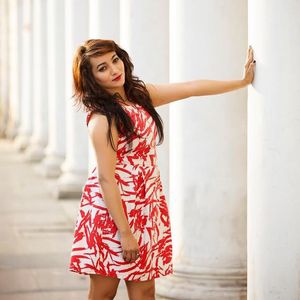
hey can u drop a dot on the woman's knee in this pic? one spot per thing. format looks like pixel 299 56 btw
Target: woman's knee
pixel 141 290
pixel 148 292
pixel 102 288
pixel 101 295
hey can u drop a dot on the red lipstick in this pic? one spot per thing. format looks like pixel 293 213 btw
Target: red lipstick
pixel 118 78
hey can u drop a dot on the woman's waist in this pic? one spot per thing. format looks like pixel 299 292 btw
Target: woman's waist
pixel 131 167
pixel 138 161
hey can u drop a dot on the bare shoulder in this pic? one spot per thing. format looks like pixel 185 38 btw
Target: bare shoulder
pixel 97 122
pixel 98 128
pixel 106 156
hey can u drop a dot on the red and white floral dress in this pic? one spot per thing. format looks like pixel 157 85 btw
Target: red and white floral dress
pixel 96 247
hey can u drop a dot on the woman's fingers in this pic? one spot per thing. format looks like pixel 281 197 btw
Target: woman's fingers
pixel 137 254
pixel 134 255
pixel 125 255
pixel 249 50
pixel 250 72
pixel 130 255
pixel 249 67
pixel 249 59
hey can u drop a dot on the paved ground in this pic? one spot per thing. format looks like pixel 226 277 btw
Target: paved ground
pixel 36 235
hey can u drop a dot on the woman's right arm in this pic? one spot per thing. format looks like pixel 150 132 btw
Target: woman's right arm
pixel 106 159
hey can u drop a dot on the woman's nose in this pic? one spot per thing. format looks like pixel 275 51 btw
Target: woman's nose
pixel 114 70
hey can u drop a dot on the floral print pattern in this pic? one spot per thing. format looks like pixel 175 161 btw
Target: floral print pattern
pixel 96 247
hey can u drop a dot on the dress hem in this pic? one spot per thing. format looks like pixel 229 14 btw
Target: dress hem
pixel 120 277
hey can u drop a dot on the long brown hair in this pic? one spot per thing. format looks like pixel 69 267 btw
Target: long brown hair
pixel 92 97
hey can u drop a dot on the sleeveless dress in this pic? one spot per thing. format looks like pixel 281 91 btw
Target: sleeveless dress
pixel 96 247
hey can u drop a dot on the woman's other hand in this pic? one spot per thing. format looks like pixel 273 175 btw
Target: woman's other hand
pixel 130 247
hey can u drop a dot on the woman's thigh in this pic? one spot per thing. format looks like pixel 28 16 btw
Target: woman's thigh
pixel 102 287
pixel 141 290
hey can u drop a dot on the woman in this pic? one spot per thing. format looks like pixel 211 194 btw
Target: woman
pixel 123 226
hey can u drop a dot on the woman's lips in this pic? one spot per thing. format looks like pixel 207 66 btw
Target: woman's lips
pixel 118 78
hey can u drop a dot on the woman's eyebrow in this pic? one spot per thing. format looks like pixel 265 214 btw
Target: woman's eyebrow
pixel 105 62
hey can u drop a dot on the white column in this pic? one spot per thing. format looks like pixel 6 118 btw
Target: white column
pixel 14 70
pixel 4 70
pixel 75 166
pixel 101 26
pixel 208 154
pixel 145 36
pixel 101 12
pixel 273 152
pixel 38 140
pixel 55 151
pixel 25 130
pixel 18 78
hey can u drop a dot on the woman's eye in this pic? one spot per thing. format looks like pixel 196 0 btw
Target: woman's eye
pixel 104 68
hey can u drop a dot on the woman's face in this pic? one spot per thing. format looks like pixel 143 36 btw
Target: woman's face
pixel 106 68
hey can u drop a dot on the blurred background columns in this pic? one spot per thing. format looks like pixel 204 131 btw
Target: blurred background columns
pixel 75 166
pixel 26 71
pixel 4 67
pixel 208 154
pixel 14 50
pixel 104 19
pixel 38 140
pixel 55 150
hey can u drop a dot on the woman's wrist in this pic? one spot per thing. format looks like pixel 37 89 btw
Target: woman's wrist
pixel 244 82
pixel 125 232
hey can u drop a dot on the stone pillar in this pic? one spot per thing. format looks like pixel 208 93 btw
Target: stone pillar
pixel 55 150
pixel 4 70
pixel 18 79
pixel 75 166
pixel 13 76
pixel 273 152
pixel 101 12
pixel 25 129
pixel 38 140
pixel 208 154
pixel 152 18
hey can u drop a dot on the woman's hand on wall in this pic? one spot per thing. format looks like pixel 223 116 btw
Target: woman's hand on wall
pixel 249 67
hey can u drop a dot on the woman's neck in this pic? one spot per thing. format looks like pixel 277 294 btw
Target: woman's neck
pixel 121 92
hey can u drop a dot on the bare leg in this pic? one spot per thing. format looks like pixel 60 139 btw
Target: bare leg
pixel 102 287
pixel 141 290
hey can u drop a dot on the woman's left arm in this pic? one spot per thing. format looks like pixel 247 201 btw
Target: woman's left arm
pixel 166 93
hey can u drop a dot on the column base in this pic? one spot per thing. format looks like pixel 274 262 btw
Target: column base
pixel 11 131
pixel 50 167
pixel 70 185
pixel 35 152
pixel 204 285
pixel 21 142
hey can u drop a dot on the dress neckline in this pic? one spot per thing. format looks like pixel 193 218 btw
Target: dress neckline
pixel 130 104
